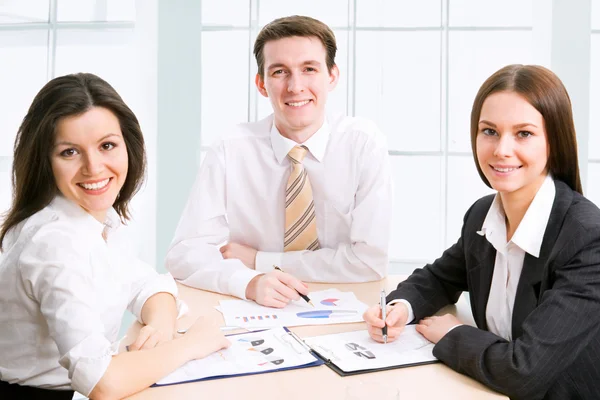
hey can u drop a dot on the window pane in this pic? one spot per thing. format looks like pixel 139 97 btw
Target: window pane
pixel 473 57
pixel 231 12
pixel 224 82
pixel 337 100
pixel 594 138
pixel 110 54
pixel 464 188
pixel 20 79
pixel 417 214
pixel 405 13
pixel 593 189
pixel 332 12
pixel 490 12
pixel 595 14
pixel 5 186
pixel 96 10
pixel 400 89
pixel 19 11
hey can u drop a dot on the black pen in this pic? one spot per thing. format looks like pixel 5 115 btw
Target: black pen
pixel 305 297
pixel 383 314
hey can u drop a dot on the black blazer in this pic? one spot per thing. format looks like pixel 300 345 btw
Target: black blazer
pixel 555 351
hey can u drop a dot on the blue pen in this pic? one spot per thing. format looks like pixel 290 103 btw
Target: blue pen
pixel 326 313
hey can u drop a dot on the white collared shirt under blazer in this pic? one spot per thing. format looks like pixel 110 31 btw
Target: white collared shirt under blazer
pixel 63 292
pixel 239 196
pixel 510 254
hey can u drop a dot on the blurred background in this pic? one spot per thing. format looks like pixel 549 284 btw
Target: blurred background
pixel 186 69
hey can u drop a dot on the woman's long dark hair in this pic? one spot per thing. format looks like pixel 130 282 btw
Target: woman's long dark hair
pixel 33 182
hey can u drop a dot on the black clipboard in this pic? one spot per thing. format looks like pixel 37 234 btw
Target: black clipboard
pixel 332 365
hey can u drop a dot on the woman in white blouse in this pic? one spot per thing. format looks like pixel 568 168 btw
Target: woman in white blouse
pixel 529 256
pixel 66 275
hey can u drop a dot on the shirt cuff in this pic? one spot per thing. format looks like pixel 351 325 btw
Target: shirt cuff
pixel 265 260
pixel 240 280
pixel 163 283
pixel 411 314
pixel 88 361
pixel 457 325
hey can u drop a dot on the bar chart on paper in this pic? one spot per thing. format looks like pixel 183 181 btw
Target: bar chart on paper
pixel 249 318
pixel 331 307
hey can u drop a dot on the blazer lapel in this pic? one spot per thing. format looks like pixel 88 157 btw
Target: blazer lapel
pixel 528 290
pixel 481 280
pixel 530 282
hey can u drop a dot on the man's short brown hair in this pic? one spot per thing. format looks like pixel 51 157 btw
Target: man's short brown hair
pixel 295 25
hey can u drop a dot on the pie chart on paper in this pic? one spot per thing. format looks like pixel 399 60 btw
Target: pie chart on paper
pixel 329 302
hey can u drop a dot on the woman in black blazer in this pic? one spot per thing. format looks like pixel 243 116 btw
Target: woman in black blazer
pixel 529 256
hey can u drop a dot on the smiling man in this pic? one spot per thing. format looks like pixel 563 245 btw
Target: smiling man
pixel 302 190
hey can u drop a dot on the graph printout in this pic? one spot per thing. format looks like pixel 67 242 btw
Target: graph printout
pixel 249 353
pixel 331 307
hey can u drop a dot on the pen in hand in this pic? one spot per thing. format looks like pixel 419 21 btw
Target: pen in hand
pixel 383 315
pixel 305 297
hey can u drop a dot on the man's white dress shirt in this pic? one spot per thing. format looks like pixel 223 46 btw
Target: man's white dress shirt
pixel 510 255
pixel 239 197
pixel 63 292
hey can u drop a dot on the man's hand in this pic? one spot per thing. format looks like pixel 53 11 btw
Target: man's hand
pixel 150 337
pixel 275 289
pixel 434 328
pixel 245 254
pixel 395 320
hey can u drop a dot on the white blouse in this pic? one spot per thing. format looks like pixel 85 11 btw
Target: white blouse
pixel 63 292
pixel 510 255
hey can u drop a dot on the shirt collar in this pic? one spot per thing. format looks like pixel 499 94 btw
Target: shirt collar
pixel 71 210
pixel 530 233
pixel 494 225
pixel 316 144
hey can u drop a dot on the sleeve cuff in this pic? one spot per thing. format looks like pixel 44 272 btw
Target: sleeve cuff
pixel 411 314
pixel 265 260
pixel 240 280
pixel 161 283
pixel 88 361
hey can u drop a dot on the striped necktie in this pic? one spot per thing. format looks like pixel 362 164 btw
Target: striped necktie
pixel 300 221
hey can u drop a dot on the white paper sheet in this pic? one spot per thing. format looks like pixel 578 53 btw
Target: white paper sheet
pixel 331 307
pixel 353 351
pixel 249 353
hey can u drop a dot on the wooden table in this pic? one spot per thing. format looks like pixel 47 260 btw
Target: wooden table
pixel 434 381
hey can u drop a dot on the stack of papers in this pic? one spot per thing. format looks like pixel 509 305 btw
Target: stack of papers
pixel 332 306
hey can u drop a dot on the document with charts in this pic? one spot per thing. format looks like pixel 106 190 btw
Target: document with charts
pixel 351 353
pixel 332 306
pixel 250 353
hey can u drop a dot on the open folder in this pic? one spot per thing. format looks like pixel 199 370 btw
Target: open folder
pixel 250 353
pixel 352 353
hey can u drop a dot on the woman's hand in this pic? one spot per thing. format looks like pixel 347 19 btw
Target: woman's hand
pixel 434 328
pixel 150 337
pixel 395 320
pixel 204 338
